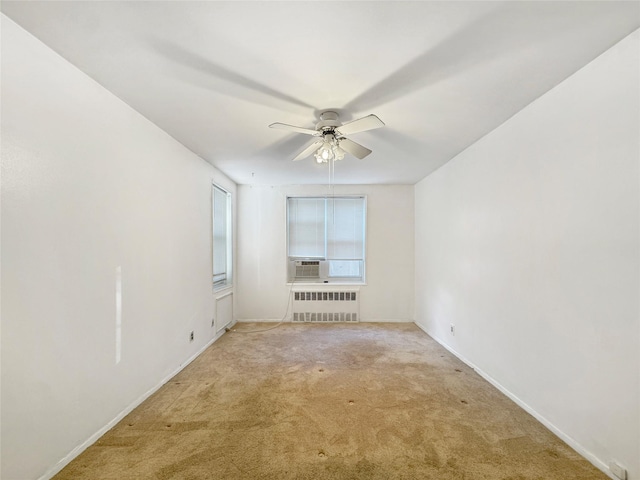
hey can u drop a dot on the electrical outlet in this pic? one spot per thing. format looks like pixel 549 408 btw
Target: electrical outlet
pixel 191 336
pixel 452 329
pixel 618 471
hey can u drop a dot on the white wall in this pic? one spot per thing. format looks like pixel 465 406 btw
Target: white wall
pixel 529 243
pixel 388 295
pixel 90 186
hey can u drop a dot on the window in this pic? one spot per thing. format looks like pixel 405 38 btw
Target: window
pixel 222 246
pixel 330 231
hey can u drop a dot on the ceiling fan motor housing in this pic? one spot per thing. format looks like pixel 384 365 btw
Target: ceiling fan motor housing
pixel 328 121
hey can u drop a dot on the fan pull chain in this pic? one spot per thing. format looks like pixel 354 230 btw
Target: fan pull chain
pixel 332 169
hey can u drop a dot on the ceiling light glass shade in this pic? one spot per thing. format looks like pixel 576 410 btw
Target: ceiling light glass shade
pixel 323 155
pixel 329 150
pixel 325 152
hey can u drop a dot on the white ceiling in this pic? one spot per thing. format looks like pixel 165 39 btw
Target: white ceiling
pixel 214 75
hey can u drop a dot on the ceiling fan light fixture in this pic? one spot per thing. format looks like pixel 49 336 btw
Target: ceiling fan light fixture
pixel 331 133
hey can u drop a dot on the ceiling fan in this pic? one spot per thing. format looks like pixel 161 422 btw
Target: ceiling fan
pixel 332 143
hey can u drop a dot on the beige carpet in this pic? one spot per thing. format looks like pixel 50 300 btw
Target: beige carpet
pixel 342 401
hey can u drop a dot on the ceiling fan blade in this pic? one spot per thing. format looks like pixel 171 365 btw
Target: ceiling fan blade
pixel 308 150
pixel 360 125
pixel 291 128
pixel 354 148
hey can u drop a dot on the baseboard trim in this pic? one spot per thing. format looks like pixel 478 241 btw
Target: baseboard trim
pixel 288 320
pixel 385 320
pixel 595 461
pixel 93 438
pixel 263 320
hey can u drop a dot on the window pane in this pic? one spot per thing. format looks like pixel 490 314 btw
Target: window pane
pixel 306 224
pixel 345 268
pixel 221 237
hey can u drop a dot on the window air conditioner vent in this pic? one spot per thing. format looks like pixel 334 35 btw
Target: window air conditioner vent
pixel 307 269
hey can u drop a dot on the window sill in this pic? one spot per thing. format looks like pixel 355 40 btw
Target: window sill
pixel 222 289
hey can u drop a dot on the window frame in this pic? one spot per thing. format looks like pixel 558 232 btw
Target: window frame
pixel 351 280
pixel 227 282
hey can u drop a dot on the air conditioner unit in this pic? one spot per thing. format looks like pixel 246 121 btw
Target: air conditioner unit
pixel 308 270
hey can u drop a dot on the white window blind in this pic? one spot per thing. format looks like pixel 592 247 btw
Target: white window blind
pixel 345 224
pixel 221 237
pixel 307 227
pixel 345 245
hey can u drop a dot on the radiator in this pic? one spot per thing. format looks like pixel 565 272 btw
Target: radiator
pixel 224 311
pixel 325 306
